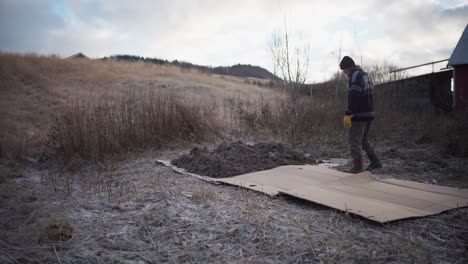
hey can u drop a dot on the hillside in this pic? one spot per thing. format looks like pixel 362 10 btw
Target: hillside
pixel 241 70
pixel 34 89
pixel 245 70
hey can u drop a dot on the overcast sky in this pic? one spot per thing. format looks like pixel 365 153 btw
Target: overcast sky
pixel 224 32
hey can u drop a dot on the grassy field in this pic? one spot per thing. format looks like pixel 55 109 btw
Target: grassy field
pixel 36 90
pixel 79 181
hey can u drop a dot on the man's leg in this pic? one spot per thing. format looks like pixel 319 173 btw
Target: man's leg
pixel 355 136
pixel 369 149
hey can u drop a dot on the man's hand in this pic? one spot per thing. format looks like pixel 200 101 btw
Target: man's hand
pixel 347 121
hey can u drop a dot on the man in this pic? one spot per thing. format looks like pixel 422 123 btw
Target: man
pixel 359 115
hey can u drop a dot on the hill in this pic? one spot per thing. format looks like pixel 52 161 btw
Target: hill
pixel 245 70
pixel 241 70
pixel 36 88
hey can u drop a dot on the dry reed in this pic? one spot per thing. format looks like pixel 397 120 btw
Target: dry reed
pixel 152 119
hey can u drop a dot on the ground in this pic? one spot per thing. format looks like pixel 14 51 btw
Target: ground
pixel 237 158
pixel 134 210
pixel 137 211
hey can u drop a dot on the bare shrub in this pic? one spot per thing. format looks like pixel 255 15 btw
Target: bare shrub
pixel 98 128
pixel 57 230
pixel 203 195
pixel 384 73
pixel 291 59
pixel 277 117
pixel 317 118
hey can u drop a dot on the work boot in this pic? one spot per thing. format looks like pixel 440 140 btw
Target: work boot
pixel 374 166
pixel 357 167
pixel 375 162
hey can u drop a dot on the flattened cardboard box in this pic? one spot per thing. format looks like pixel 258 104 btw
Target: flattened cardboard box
pixel 362 194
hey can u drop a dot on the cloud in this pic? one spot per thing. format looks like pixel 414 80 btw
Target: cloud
pixel 213 32
pixel 24 24
pixel 416 34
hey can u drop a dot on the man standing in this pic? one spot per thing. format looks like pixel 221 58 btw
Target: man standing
pixel 359 115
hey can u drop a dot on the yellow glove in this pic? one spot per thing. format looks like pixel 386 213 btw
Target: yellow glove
pixel 347 121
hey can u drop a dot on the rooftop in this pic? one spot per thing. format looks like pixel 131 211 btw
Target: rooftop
pixel 460 54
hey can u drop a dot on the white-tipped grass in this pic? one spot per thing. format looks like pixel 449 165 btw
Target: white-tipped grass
pixel 146 212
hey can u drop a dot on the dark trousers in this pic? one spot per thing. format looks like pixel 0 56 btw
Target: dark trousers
pixel 358 138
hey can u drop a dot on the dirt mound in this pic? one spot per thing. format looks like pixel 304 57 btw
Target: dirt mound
pixel 239 158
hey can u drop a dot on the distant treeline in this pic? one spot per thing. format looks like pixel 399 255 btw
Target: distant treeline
pixel 242 70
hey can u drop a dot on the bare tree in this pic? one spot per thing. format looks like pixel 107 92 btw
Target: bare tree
pixel 385 73
pixel 290 61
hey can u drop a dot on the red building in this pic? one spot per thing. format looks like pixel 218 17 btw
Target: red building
pixel 459 62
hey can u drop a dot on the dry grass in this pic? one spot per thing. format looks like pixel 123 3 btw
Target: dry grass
pixel 152 119
pixel 173 218
pixel 203 195
pixel 38 90
pixel 279 117
pixel 35 90
pixel 57 230
pixel 137 211
pixel 317 121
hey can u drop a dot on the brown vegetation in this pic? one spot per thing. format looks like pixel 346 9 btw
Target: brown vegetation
pixel 133 210
pixel 108 107
pixel 57 230
pixel 37 90
pixel 93 108
pixel 137 121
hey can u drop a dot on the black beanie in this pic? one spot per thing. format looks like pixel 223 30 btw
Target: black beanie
pixel 346 62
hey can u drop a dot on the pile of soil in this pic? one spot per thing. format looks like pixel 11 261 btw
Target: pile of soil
pixel 231 159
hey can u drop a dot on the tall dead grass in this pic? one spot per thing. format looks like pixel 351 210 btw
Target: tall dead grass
pixel 100 128
pixel 317 120
pixel 42 92
pixel 35 90
pixel 294 121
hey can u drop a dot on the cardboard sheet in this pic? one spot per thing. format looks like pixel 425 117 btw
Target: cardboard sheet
pixel 362 194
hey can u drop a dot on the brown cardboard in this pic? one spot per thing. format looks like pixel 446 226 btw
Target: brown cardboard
pixel 380 200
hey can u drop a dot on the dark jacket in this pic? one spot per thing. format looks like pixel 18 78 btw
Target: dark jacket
pixel 360 98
